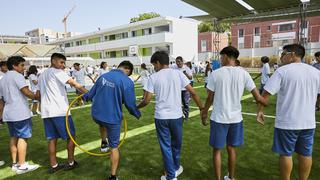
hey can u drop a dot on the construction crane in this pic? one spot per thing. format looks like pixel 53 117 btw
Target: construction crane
pixel 64 20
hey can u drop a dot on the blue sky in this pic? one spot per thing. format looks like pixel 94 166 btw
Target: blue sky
pixel 19 16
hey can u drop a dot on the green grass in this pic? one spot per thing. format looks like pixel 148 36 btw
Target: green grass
pixel 141 156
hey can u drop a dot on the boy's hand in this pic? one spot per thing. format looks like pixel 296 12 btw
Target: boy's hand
pixel 260 117
pixel 204 116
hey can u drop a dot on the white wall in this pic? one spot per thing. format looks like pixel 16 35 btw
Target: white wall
pixel 185 39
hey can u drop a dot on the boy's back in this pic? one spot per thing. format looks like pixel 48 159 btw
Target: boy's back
pixel 167 85
pixel 54 101
pixel 297 85
pixel 228 84
pixel 16 104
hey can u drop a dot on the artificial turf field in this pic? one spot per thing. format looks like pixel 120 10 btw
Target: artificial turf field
pixel 140 156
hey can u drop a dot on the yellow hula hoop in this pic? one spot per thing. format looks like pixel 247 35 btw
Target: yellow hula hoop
pixel 77 145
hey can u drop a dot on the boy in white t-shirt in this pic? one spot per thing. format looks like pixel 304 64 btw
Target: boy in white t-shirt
pixel 297 85
pixel 185 95
pixel 16 113
pixel 225 89
pixel 167 85
pixel 79 74
pixel 265 72
pixel 33 79
pixel 54 105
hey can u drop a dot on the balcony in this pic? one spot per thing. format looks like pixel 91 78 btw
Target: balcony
pixel 166 37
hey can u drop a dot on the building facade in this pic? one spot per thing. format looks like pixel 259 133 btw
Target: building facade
pixel 209 44
pixel 136 42
pixel 267 38
pixel 44 36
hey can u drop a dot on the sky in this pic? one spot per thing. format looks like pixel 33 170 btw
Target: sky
pixel 20 16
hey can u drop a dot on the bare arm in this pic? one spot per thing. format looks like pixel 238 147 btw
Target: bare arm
pixel 257 76
pixel 260 115
pixel 1 108
pixel 188 76
pixel 76 85
pixel 137 78
pixel 146 99
pixel 204 112
pixel 258 97
pixel 195 96
pixel 25 91
pixel 35 82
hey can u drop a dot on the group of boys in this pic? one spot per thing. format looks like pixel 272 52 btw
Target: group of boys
pixel 297 85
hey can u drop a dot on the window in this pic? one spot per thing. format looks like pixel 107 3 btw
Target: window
pixel 159 29
pixel 269 43
pixel 203 45
pixel 269 28
pixel 67 45
pixel 163 48
pixel 112 37
pixel 256 44
pixel 241 45
pixel 257 31
pixel 147 31
pixel 305 24
pixel 94 40
pixel 133 33
pixel 124 53
pixel 113 54
pixel 286 27
pixel 241 32
pixel 124 35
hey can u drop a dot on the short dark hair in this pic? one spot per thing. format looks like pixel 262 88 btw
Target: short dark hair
pixel 161 56
pixel 14 61
pixel 296 48
pixel 58 56
pixel 76 64
pixel 3 63
pixel 32 70
pixel 143 66
pixel 127 65
pixel 317 54
pixel 265 59
pixel 101 64
pixel 179 58
pixel 230 51
pixel 237 62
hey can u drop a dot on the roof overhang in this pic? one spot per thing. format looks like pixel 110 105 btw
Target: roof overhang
pixel 232 11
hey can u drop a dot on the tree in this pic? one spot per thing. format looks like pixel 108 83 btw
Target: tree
pixel 144 16
pixel 208 27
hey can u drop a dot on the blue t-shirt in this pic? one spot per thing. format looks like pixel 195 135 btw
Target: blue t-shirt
pixel 111 90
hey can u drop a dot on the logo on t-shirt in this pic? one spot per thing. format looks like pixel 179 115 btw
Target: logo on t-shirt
pixel 107 83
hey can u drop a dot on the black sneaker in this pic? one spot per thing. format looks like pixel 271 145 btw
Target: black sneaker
pixel 70 167
pixel 113 177
pixel 104 146
pixel 52 170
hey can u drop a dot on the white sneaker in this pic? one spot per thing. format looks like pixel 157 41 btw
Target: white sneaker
pixel 227 178
pixel 14 167
pixel 26 168
pixel 163 177
pixel 2 163
pixel 179 171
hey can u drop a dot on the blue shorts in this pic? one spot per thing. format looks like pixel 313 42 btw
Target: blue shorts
pixel 222 133
pixel 285 142
pixel 20 129
pixel 113 133
pixel 55 127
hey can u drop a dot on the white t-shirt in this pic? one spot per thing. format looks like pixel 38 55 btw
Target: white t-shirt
pixel 184 68
pixel 144 76
pixel 54 100
pixel 16 106
pixel 297 86
pixel 265 71
pixel 167 85
pixel 102 71
pixel 33 87
pixel 80 76
pixel 228 84
pixel 1 75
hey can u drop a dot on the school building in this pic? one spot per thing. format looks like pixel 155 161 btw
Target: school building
pixel 267 38
pixel 136 42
